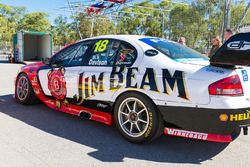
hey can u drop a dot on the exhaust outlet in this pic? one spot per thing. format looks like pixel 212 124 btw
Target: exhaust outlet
pixel 85 115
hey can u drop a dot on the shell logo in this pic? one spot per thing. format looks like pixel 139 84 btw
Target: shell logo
pixel 223 117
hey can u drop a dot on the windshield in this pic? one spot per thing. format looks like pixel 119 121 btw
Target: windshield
pixel 174 50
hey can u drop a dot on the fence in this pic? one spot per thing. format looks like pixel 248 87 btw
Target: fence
pixel 5 50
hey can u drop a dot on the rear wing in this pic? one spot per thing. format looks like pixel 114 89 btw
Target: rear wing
pixel 235 51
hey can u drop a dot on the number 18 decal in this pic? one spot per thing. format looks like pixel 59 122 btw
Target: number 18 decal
pixel 101 45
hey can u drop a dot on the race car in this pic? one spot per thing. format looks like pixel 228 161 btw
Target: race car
pixel 146 86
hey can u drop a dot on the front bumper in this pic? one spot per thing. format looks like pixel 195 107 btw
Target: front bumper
pixel 211 121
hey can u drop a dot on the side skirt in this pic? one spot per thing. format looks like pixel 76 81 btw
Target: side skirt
pixel 198 135
pixel 95 115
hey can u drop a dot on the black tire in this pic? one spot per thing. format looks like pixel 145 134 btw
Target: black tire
pixel 236 133
pixel 29 98
pixel 148 132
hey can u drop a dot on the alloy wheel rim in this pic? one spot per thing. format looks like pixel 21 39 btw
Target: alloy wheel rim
pixel 22 88
pixel 133 117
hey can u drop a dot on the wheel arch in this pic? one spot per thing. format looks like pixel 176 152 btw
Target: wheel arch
pixel 20 73
pixel 133 91
pixel 31 96
pixel 26 73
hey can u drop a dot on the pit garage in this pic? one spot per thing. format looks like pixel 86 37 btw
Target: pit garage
pixel 32 46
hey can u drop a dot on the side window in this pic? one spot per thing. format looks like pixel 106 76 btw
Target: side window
pixel 127 55
pixel 104 52
pixel 71 56
pixel 77 60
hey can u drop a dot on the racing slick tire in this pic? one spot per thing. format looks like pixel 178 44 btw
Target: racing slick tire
pixel 236 133
pixel 24 92
pixel 137 118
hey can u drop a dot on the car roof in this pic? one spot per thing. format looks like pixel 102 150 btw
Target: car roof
pixel 121 37
pixel 127 38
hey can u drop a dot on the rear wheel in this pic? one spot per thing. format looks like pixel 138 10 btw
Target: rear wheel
pixel 137 118
pixel 24 91
pixel 236 133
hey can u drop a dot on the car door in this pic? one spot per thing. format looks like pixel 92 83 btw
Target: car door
pixel 60 79
pixel 102 73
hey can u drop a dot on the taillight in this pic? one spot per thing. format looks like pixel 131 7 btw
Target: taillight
pixel 230 86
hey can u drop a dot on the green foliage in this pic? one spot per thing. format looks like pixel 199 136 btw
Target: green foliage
pixel 198 21
pixel 36 21
pixel 101 25
pixel 142 19
pixel 237 11
pixel 62 31
pixel 9 18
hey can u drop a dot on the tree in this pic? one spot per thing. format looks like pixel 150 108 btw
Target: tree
pixel 104 26
pixel 237 11
pixel 62 31
pixel 143 18
pixel 198 21
pixel 36 21
pixel 9 18
pixel 187 21
pixel 101 25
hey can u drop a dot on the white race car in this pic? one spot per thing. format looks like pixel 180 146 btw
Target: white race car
pixel 146 86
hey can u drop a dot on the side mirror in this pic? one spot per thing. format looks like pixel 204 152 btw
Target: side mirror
pixel 46 61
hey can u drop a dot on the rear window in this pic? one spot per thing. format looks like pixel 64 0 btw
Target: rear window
pixel 235 51
pixel 174 50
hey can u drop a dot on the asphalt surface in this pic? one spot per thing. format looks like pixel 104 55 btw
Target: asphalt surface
pixel 32 136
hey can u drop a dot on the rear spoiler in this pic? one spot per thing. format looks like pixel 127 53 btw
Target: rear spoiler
pixel 223 65
pixel 235 51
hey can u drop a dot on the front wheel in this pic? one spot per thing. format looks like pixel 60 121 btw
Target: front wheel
pixel 24 92
pixel 137 118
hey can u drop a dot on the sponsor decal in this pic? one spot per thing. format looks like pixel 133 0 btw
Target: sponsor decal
pixel 215 70
pixel 174 82
pixel 34 80
pixel 240 117
pixel 239 45
pixel 151 52
pixel 186 134
pixel 244 75
pixel 124 57
pixel 102 105
pixel 152 41
pixel 183 60
pixel 57 84
pixel 88 86
pixel 58 104
pixel 101 46
pixel 123 63
pixel 223 117
pixel 126 51
pixel 126 78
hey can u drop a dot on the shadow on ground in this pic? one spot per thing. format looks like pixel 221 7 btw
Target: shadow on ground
pixel 110 146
